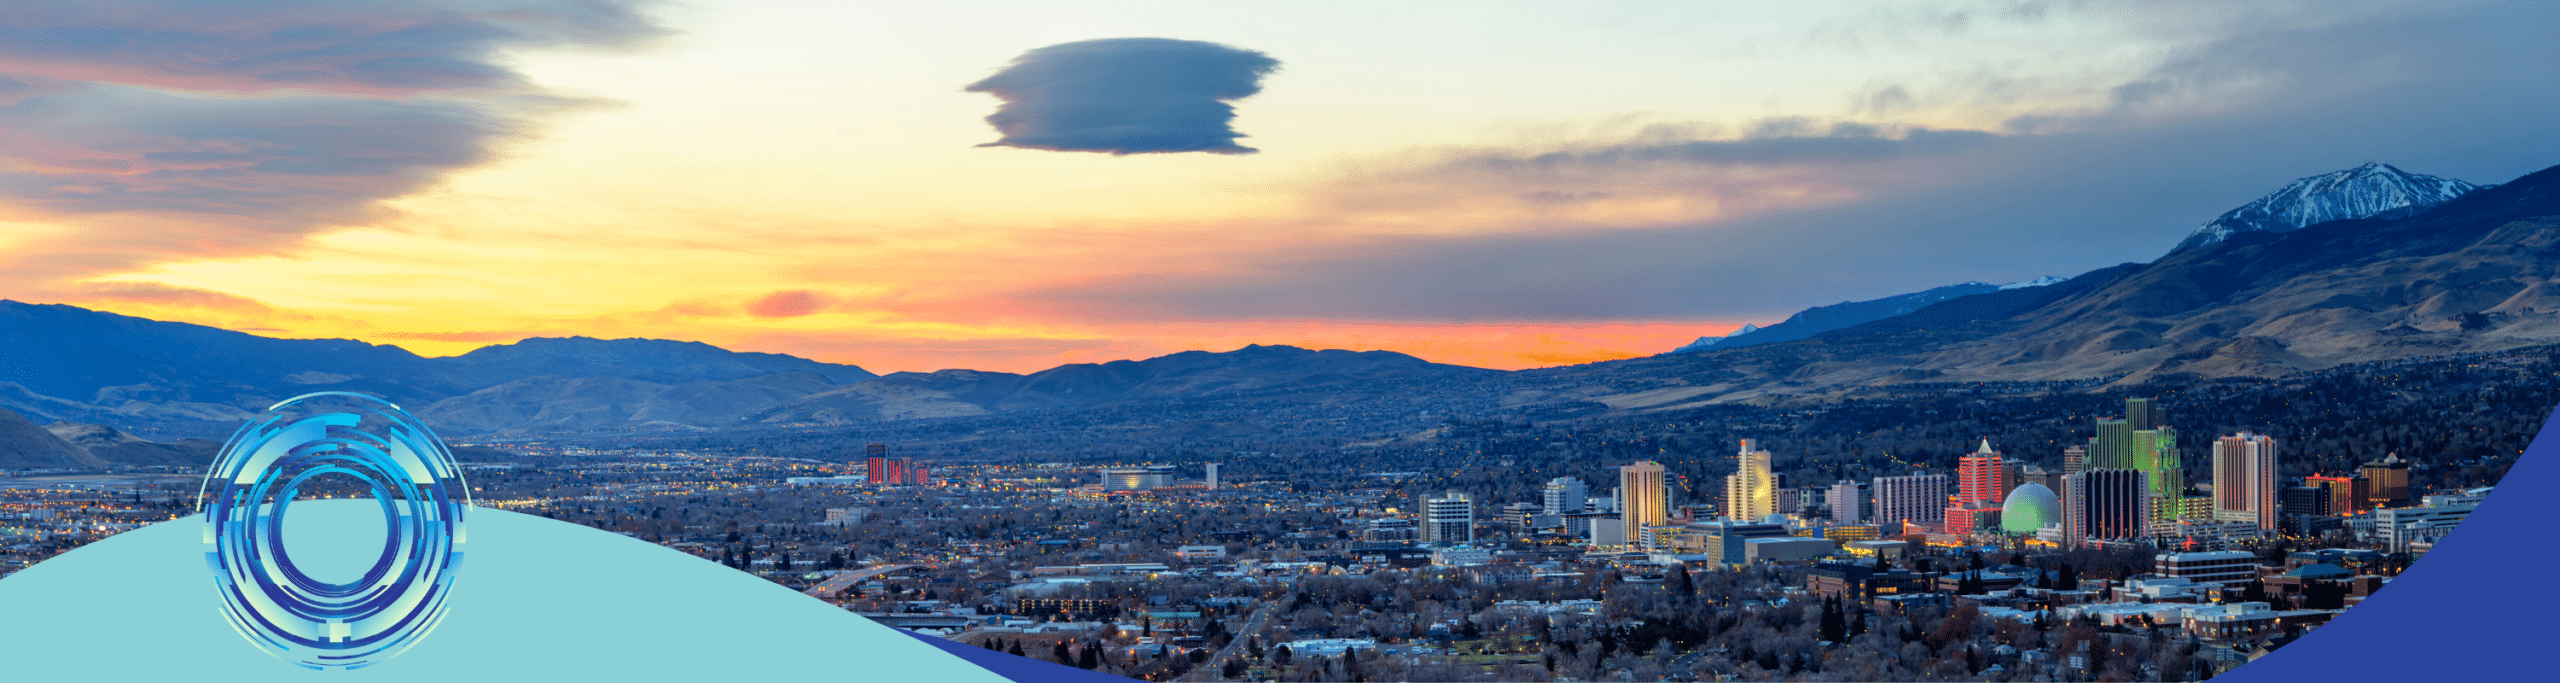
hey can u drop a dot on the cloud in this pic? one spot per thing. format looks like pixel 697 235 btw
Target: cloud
pixel 177 129
pixel 1774 142
pixel 390 47
pixel 286 162
pixel 2432 91
pixel 1125 96
pixel 170 295
pixel 788 304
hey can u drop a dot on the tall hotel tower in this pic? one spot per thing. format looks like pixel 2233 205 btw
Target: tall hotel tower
pixel 2244 480
pixel 1751 492
pixel 1641 495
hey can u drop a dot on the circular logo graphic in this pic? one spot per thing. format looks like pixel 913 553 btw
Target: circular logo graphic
pixel 280 607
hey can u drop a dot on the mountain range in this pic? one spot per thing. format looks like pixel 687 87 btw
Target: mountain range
pixel 2475 273
pixel 1820 319
pixel 2408 274
pixel 175 379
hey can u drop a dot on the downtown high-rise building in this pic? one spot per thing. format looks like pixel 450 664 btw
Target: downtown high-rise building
pixel 2074 459
pixel 1915 498
pixel 1851 503
pixel 878 463
pixel 2244 480
pixel 1564 495
pixel 1642 498
pixel 2346 492
pixel 1751 492
pixel 2106 504
pixel 2298 504
pixel 2142 442
pixel 1983 478
pixel 2386 482
pixel 1449 519
pixel 1209 477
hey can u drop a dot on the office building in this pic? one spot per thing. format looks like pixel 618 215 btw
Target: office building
pixel 1608 531
pixel 1521 514
pixel 2074 459
pixel 1642 499
pixel 1723 542
pixel 1851 503
pixel 2106 504
pixel 2400 528
pixel 1390 529
pixel 2229 567
pixel 1751 492
pixel 2299 505
pixel 2347 493
pixel 1916 498
pixel 2244 480
pixel 1209 476
pixel 1564 495
pixel 1449 519
pixel 2386 482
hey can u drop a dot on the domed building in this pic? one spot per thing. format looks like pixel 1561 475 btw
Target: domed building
pixel 2029 507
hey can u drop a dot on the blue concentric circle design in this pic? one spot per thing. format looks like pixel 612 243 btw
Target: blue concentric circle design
pixel 307 621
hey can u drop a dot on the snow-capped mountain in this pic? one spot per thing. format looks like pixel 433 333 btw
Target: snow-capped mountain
pixel 2368 191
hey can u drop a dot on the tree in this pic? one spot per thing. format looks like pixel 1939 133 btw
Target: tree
pixel 1681 585
pixel 1015 649
pixel 1091 657
pixel 2069 580
pixel 1834 627
pixel 1060 653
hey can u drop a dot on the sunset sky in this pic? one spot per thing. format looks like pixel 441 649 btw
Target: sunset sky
pixel 1500 184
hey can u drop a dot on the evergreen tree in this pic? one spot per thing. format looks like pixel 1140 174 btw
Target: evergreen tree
pixel 2070 579
pixel 1061 654
pixel 1834 627
pixel 1091 657
pixel 1015 649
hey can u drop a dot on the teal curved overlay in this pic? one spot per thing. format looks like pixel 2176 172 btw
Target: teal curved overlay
pixel 547 600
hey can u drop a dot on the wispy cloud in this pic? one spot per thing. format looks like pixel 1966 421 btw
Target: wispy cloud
pixel 186 128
